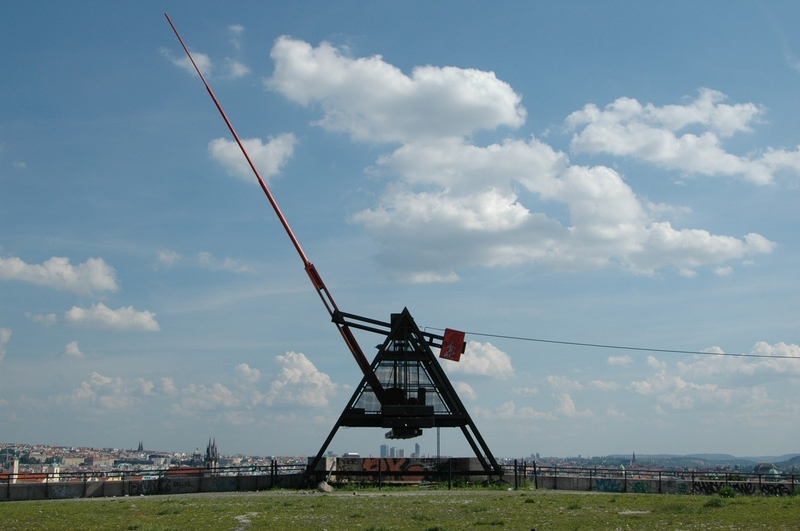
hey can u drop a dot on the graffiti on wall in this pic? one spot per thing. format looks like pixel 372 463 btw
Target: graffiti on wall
pixel 607 485
pixel 65 491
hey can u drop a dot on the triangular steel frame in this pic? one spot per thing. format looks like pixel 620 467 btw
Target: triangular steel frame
pixel 414 392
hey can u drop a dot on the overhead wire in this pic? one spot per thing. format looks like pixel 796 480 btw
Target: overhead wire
pixel 622 347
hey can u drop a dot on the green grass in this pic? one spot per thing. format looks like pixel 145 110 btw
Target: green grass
pixel 406 509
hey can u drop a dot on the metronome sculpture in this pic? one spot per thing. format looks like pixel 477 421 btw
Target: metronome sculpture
pixel 404 388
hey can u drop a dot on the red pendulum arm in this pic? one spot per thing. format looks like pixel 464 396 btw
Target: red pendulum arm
pixel 311 271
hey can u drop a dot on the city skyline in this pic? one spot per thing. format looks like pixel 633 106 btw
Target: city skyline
pixel 540 176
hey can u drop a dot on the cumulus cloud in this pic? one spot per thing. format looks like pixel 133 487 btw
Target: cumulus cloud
pixel 299 383
pixel 107 393
pixel 202 60
pixel 602 385
pixel 5 335
pixel 122 319
pixel 452 204
pixel 678 392
pixel 236 69
pixel 268 158
pixel 566 407
pixel 375 101
pixel 210 262
pixel 199 397
pixel 72 351
pixel 236 31
pixel 623 361
pixel 780 358
pixel 247 375
pixel 465 390
pixel 92 276
pixel 48 319
pixel 483 359
pixel 168 258
pixel 627 128
pixel 563 383
pixel 509 410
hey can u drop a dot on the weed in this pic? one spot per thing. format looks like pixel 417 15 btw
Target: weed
pixel 726 491
pixel 714 502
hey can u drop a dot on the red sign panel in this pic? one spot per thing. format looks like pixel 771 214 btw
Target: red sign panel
pixel 452 345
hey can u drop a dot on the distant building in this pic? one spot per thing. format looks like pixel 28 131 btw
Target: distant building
pixel 384 450
pixel 211 461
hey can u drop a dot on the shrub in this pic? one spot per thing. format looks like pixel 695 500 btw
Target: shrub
pixel 726 491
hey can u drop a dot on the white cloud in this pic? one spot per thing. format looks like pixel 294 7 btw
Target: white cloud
pixel 5 335
pixel 19 165
pixel 300 383
pixel 789 363
pixel 627 128
pixel 465 390
pixel 509 410
pixel 236 31
pixel 723 271
pixel 454 204
pixel 72 351
pixel 92 276
pixel 168 258
pixel 652 361
pixel 601 385
pixel 236 69
pixel 376 102
pixel 168 386
pixel 45 319
pixel 268 158
pixel 202 60
pixel 483 359
pixel 616 415
pixel 623 361
pixel 196 398
pixel 107 393
pixel 525 391
pixel 208 261
pixel 122 319
pixel 247 374
pixel 563 383
pixel 566 407
pixel 679 393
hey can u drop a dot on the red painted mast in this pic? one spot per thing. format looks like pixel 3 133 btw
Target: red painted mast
pixel 311 271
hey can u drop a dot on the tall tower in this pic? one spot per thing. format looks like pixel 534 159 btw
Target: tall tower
pixel 211 461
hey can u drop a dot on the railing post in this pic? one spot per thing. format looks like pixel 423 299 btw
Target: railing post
pixel 516 477
pixel 535 477
pixel 380 473
pixel 659 482
pixel 449 473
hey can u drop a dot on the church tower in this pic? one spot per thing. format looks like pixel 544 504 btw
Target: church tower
pixel 211 461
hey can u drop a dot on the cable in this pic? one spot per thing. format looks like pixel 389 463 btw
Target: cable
pixel 619 347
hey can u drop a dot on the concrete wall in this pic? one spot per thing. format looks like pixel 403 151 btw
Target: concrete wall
pixel 164 485
pixel 660 485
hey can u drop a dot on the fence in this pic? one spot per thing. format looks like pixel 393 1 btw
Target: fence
pixel 59 485
pixel 380 472
pixel 653 481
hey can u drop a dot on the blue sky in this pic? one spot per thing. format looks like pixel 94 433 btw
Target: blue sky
pixel 615 173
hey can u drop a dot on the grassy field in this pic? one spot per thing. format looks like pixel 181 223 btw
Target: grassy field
pixel 405 509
